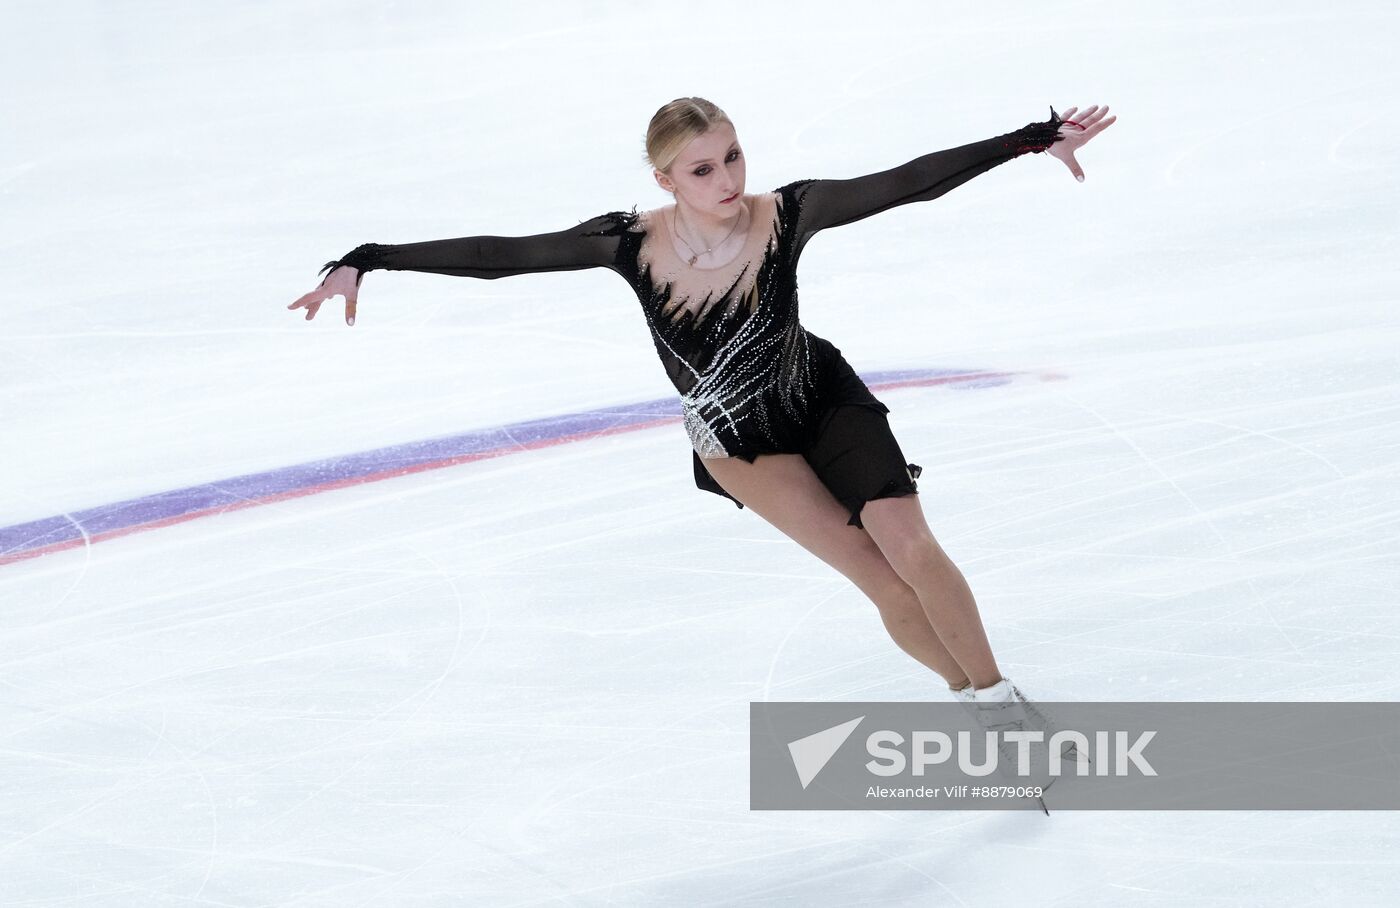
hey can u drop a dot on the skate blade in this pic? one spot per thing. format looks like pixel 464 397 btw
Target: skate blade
pixel 1075 754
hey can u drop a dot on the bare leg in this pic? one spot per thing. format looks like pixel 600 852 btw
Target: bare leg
pixel 898 527
pixel 907 624
pixel 783 490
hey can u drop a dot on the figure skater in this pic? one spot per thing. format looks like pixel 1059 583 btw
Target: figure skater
pixel 777 420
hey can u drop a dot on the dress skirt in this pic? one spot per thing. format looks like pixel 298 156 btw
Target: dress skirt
pixel 848 441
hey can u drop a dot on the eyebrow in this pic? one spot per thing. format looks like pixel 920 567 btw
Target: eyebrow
pixel 732 146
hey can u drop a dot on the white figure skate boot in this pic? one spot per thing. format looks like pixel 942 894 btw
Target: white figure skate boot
pixel 999 709
pixel 1002 707
pixel 1039 719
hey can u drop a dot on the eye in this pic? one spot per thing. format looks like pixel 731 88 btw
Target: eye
pixel 732 156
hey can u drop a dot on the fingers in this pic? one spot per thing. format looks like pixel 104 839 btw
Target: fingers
pixel 1096 124
pixel 312 301
pixel 1085 126
pixel 305 299
pixel 1104 125
pixel 1078 129
pixel 1073 166
pixel 1086 119
pixel 1083 119
pixel 1093 116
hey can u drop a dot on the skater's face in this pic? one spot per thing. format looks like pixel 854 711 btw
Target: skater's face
pixel 708 171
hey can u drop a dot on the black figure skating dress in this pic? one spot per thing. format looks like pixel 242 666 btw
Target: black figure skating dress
pixel 751 379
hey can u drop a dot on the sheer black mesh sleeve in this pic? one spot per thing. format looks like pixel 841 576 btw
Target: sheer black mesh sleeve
pixel 831 203
pixel 591 244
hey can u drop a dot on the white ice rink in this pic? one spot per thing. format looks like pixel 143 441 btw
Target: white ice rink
pixel 525 679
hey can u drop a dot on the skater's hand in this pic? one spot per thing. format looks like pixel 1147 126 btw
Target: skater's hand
pixel 1077 131
pixel 340 282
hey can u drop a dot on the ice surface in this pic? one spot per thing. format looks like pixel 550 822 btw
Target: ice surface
pixel 524 678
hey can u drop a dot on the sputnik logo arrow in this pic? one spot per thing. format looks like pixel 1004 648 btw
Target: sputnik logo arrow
pixel 812 753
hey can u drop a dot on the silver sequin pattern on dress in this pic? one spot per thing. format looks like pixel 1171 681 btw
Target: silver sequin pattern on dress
pixel 744 369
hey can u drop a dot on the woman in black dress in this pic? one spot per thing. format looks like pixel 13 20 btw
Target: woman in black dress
pixel 777 420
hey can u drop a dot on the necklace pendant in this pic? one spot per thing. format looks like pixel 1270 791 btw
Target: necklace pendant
pixel 693 258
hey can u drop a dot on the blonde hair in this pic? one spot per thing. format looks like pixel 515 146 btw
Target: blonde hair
pixel 675 125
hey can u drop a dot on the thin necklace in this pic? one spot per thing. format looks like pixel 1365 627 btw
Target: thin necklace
pixel 695 255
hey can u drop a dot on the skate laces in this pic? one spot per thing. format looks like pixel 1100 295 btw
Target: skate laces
pixel 1018 713
pixel 1009 716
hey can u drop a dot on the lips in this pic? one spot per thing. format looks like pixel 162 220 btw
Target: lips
pixel 730 199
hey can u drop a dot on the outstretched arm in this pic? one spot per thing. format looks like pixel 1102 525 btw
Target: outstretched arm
pixel 592 244
pixel 588 245
pixel 831 203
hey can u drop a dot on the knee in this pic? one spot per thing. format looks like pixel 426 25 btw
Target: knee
pixel 918 559
pixel 893 597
